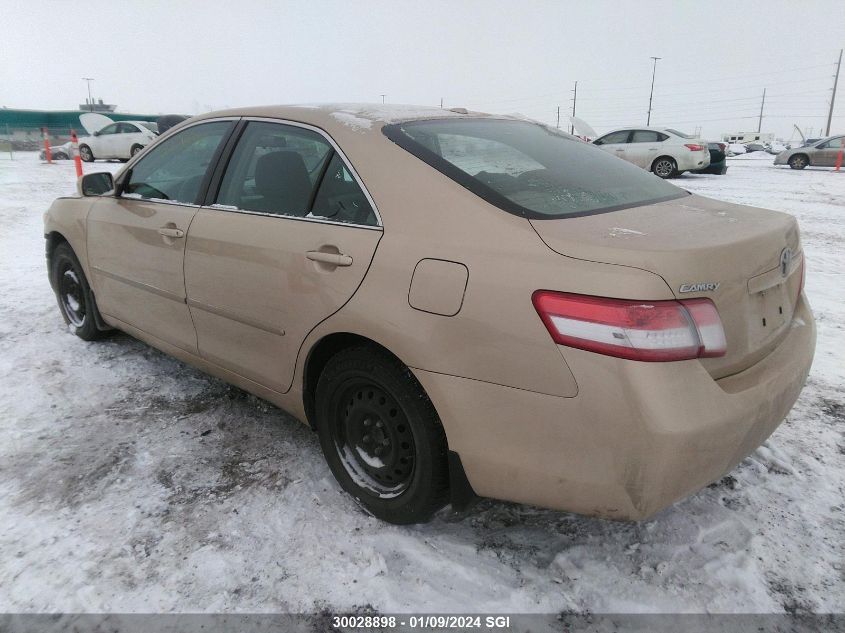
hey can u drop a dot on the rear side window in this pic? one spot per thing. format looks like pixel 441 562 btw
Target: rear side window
pixel 291 171
pixel 647 136
pixel 174 170
pixel 339 197
pixel 528 169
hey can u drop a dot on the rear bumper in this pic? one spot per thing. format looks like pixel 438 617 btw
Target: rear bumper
pixel 636 438
pixel 719 169
pixel 687 161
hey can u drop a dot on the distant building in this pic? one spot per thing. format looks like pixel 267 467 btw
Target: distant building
pixel 23 127
pixel 748 137
pixel 99 106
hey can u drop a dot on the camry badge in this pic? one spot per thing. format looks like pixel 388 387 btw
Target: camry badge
pixel 700 287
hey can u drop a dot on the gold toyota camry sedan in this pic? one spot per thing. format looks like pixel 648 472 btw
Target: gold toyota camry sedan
pixel 459 304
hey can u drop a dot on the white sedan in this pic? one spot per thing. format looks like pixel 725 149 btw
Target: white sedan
pixel 114 139
pixel 663 151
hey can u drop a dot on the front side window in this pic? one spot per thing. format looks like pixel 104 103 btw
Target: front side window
pixel 109 129
pixel 614 137
pixel 127 128
pixel 535 171
pixel 292 171
pixel 174 170
pixel 834 143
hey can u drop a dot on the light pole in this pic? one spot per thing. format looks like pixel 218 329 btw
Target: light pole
pixel 382 98
pixel 651 94
pixel 90 98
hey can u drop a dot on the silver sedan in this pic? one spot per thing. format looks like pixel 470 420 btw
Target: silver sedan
pixel 822 153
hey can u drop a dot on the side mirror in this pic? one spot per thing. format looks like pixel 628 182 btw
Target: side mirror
pixel 96 184
pixel 97 133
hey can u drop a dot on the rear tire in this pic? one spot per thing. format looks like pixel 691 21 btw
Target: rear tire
pixel 799 161
pixel 381 436
pixel 664 167
pixel 76 301
pixel 86 154
pixel 135 149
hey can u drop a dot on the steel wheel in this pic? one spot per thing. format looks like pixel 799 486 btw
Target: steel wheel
pixel 664 167
pixel 381 436
pixel 373 438
pixel 71 296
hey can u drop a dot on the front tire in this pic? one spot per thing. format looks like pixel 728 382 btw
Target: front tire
pixel 664 167
pixel 799 161
pixel 76 301
pixel 86 154
pixel 381 436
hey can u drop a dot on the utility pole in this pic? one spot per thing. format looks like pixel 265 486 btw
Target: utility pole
pixel 651 94
pixel 574 101
pixel 760 120
pixel 833 96
pixel 558 117
pixel 441 103
pixel 382 98
pixel 90 98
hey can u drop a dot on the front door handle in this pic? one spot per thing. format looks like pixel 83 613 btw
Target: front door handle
pixel 167 231
pixel 335 259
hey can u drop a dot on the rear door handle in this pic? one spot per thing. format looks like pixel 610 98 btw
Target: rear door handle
pixel 167 231
pixel 335 259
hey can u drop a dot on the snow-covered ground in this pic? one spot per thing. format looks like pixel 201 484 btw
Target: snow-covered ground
pixel 130 482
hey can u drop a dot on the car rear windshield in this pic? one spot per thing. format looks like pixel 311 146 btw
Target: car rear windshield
pixel 681 134
pixel 528 169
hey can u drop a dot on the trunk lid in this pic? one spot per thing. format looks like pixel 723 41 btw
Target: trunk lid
pixel 729 253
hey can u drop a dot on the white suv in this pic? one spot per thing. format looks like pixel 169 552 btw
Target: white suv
pixel 664 151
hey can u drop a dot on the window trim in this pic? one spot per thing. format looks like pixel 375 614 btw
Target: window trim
pixel 213 189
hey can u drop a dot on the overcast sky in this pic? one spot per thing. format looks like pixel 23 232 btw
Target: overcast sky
pixel 517 56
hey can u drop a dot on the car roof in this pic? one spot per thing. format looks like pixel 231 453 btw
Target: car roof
pixel 359 117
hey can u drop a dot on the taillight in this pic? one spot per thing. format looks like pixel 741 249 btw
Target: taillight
pixel 694 147
pixel 637 330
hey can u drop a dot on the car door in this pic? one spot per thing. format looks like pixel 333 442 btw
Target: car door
pixel 826 153
pixel 284 241
pixel 136 238
pixel 615 143
pixel 644 147
pixel 127 136
pixel 105 143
